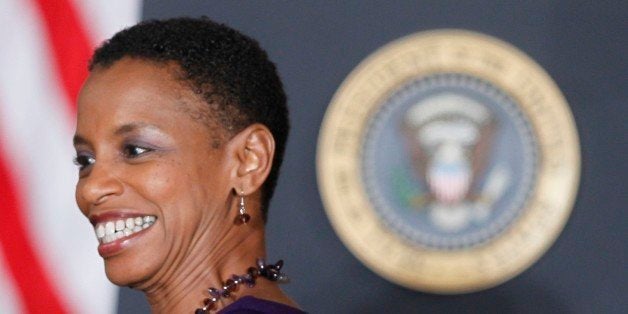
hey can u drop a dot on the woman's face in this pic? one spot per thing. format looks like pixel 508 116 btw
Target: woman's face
pixel 149 180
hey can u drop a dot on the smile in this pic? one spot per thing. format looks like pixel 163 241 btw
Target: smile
pixel 113 230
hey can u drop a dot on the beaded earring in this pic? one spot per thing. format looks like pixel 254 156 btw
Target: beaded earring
pixel 242 217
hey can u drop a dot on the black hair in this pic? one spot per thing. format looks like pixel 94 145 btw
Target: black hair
pixel 228 69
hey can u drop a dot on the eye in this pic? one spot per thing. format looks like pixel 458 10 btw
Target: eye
pixel 134 151
pixel 83 161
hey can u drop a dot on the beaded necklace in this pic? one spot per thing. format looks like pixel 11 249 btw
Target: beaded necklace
pixel 269 271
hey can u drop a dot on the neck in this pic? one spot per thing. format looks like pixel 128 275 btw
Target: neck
pixel 185 288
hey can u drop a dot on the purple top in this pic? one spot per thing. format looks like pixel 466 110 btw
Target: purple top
pixel 249 304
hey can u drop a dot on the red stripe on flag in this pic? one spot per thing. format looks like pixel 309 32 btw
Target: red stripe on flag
pixel 33 284
pixel 69 43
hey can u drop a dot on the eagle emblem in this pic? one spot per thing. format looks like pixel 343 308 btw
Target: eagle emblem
pixel 449 138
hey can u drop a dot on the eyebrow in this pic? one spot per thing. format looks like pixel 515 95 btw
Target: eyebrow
pixel 124 129
pixel 79 140
pixel 131 127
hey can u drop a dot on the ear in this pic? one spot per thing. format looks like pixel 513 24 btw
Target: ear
pixel 254 148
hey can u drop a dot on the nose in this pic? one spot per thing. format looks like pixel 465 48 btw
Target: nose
pixel 99 185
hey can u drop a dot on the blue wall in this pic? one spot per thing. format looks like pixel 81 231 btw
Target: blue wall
pixel 316 44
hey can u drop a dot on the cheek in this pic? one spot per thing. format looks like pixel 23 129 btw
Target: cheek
pixel 77 199
pixel 157 182
pixel 213 174
pixel 170 188
pixel 183 191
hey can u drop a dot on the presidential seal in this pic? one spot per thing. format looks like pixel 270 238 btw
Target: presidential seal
pixel 448 161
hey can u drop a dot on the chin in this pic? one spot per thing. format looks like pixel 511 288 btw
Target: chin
pixel 127 271
pixel 121 274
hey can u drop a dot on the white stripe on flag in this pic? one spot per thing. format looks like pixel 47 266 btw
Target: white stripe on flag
pixel 37 128
pixel 106 17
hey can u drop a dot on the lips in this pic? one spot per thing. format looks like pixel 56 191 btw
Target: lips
pixel 116 232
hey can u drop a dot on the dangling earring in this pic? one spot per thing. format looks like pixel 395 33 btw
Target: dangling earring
pixel 243 217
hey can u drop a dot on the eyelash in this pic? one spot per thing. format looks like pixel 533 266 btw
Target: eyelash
pixel 131 151
pixel 83 161
pixel 128 151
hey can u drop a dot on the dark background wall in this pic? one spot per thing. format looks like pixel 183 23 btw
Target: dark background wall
pixel 583 46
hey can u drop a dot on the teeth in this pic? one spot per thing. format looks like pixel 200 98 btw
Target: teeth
pixel 119 225
pixel 110 228
pixel 114 230
pixel 100 231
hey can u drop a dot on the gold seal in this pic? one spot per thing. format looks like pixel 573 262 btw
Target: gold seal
pixel 448 161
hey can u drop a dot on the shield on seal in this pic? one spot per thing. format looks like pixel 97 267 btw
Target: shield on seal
pixel 449 174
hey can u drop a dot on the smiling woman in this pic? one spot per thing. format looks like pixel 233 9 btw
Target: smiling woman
pixel 181 130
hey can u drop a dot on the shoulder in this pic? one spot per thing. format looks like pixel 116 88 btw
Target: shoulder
pixel 253 305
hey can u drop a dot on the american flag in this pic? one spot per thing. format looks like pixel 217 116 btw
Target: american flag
pixel 48 257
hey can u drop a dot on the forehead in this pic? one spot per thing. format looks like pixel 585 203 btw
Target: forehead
pixel 135 89
pixel 130 80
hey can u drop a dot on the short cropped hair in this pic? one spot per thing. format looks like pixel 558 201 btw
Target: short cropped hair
pixel 228 69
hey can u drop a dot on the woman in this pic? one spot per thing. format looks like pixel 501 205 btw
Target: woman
pixel 180 134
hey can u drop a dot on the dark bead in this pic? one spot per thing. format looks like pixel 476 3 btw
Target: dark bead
pixel 236 279
pixel 272 274
pixel 261 263
pixel 254 272
pixel 249 281
pixel 199 311
pixel 225 293
pixel 278 265
pixel 230 285
pixel 209 303
pixel 242 219
pixel 214 293
pixel 245 218
pixel 246 277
